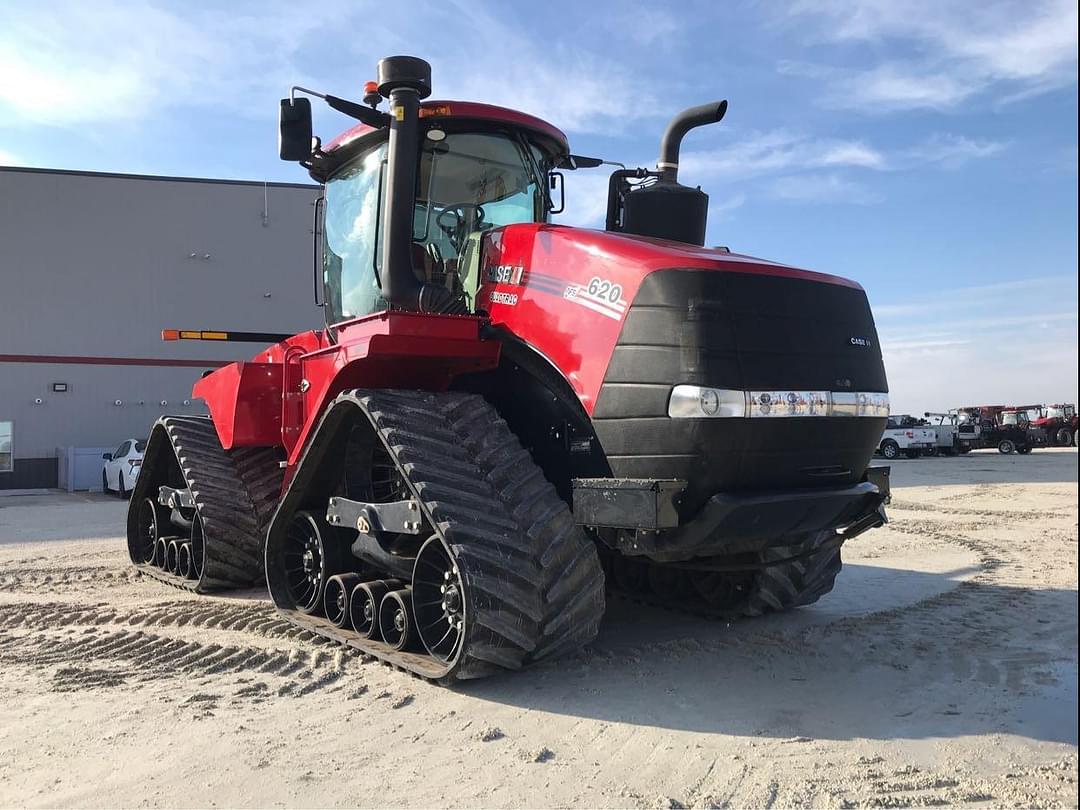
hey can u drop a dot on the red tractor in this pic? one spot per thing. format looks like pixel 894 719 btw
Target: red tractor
pixel 1009 428
pixel 503 418
pixel 1058 422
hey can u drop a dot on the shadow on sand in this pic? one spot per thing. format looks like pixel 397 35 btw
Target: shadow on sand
pixel 890 654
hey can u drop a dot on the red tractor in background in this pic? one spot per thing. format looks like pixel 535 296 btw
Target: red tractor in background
pixel 1058 422
pixel 503 416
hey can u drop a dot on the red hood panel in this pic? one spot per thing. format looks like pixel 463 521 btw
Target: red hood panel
pixel 566 291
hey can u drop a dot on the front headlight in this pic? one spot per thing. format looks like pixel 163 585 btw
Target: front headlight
pixel 696 402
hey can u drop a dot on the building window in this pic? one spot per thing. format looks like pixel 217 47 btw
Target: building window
pixel 6 460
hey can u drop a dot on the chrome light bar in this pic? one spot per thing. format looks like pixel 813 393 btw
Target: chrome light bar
pixel 695 402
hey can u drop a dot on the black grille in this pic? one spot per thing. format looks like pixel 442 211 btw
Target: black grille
pixel 739 331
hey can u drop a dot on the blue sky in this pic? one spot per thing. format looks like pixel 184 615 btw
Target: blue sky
pixel 926 149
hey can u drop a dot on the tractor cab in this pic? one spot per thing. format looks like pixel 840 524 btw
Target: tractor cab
pixel 409 193
pixel 471 178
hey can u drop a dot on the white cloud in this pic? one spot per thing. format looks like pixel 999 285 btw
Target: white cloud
pixel 821 188
pixel 1010 364
pixel 778 150
pixel 720 210
pixel 821 170
pixel 71 63
pixel 961 50
pixel 577 89
pixel 852 153
pixel 9 158
pixel 783 151
pixel 981 296
pixel 999 342
pixel 951 151
pixel 642 25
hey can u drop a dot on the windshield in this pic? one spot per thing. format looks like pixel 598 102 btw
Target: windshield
pixel 472 181
pixel 1055 413
pixel 468 183
pixel 1014 418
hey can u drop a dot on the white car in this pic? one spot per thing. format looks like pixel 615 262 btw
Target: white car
pixel 122 467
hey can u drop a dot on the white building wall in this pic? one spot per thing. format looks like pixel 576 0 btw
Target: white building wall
pixel 94 266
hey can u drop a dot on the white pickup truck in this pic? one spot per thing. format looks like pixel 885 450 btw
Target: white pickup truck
pixel 905 434
pixel 950 439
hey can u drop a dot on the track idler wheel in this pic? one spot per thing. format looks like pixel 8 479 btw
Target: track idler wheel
pixel 310 555
pixel 439 601
pixel 148 532
pixel 396 622
pixel 196 548
pixel 336 598
pixel 161 552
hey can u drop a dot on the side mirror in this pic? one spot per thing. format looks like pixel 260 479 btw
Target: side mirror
pixel 107 456
pixel 294 129
pixel 579 162
pixel 556 182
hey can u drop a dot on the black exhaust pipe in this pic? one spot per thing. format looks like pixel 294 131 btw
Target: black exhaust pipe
pixel 688 119
pixel 405 81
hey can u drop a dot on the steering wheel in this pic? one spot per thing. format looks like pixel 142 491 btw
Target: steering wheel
pixel 451 221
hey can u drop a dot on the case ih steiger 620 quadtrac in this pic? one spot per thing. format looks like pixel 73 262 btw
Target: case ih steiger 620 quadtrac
pixel 503 416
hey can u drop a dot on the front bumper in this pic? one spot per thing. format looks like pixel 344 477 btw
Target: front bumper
pixel 644 515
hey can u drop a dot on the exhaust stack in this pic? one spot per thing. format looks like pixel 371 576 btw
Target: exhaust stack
pixel 405 81
pixel 666 209
pixel 688 119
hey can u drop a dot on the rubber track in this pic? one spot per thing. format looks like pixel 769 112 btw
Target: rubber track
pixel 787 584
pixel 535 585
pixel 795 583
pixel 235 494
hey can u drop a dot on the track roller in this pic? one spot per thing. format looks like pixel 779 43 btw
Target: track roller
pixel 184 562
pixel 161 552
pixel 364 606
pixel 172 551
pixel 396 622
pixel 336 598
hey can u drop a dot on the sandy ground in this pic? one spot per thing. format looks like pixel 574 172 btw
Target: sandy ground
pixel 942 669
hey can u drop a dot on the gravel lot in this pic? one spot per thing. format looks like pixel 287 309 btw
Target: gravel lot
pixel 942 669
